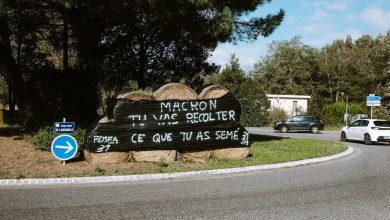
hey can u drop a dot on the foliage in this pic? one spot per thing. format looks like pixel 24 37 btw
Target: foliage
pixel 333 114
pixel 162 163
pixel 344 68
pixel 382 112
pixel 43 138
pixel 112 42
pixel 278 114
pixel 288 65
pixel 232 76
pixel 254 102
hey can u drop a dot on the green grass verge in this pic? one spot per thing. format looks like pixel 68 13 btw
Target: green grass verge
pixel 264 150
pixel 270 150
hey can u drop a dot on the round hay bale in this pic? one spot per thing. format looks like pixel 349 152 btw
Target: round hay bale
pixel 154 156
pixel 240 153
pixel 175 91
pixel 136 96
pixel 151 155
pixel 182 92
pixel 105 120
pixel 237 153
pixel 106 158
pixel 213 91
pixel 197 156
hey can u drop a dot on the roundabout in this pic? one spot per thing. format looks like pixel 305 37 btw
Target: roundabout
pixel 351 187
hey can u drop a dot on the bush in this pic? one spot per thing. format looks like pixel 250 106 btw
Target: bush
pixel 278 114
pixel 254 104
pixel 43 138
pixel 333 114
pixel 381 112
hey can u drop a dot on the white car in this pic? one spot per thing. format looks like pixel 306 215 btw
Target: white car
pixel 367 130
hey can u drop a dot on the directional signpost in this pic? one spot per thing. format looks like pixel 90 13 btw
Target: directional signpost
pixel 373 100
pixel 64 147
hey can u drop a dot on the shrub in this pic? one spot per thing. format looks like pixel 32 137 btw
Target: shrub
pixel 278 114
pixel 43 137
pixel 381 112
pixel 333 114
pixel 254 104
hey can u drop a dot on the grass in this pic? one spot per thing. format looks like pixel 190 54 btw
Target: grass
pixel 19 160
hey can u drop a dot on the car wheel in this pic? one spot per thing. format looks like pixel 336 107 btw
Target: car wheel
pixel 367 139
pixel 343 137
pixel 314 129
pixel 284 129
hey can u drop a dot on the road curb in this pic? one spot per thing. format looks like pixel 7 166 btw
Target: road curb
pixel 161 176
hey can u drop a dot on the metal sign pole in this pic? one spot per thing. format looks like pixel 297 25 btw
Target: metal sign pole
pixel 346 111
pixel 371 112
pixel 63 162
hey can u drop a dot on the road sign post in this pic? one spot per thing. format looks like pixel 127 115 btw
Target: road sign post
pixel 64 147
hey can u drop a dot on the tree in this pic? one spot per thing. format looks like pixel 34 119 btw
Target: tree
pixel 232 76
pixel 110 41
pixel 289 68
pixel 250 93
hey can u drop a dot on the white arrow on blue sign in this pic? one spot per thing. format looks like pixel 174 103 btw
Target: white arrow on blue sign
pixel 372 97
pixel 64 147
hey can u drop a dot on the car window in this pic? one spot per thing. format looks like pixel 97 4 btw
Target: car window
pixel 382 123
pixel 307 119
pixel 295 119
pixel 363 123
pixel 355 123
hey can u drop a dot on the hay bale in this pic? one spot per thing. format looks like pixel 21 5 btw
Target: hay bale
pixel 150 155
pixel 136 96
pixel 182 92
pixel 115 157
pixel 106 158
pixel 197 156
pixel 154 156
pixel 105 120
pixel 175 91
pixel 213 92
pixel 240 153
pixel 236 153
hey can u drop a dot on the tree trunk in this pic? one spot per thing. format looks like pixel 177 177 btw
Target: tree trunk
pixel 9 65
pixel 65 58
pixel 142 65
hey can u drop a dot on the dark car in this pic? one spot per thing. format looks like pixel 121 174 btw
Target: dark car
pixel 300 123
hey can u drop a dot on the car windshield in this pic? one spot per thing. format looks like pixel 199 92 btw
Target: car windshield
pixel 382 123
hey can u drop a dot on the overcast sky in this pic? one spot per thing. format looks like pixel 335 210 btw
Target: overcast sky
pixel 317 23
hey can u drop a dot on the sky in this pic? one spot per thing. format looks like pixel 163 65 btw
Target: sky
pixel 317 22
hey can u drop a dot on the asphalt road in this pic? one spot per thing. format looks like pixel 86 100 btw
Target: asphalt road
pixel 354 187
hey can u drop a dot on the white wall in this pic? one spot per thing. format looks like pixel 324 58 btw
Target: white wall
pixel 286 102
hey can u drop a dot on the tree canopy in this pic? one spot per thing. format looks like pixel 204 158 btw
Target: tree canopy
pixel 50 46
pixel 344 68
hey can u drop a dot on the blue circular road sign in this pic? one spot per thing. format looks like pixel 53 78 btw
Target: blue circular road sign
pixel 64 147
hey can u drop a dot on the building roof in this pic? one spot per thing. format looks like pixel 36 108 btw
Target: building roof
pixel 288 96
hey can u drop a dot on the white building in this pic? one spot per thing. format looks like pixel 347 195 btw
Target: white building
pixel 292 104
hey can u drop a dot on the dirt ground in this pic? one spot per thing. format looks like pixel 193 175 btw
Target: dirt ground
pixel 19 159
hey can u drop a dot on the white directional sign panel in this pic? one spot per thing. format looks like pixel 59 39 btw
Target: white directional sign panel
pixel 373 100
